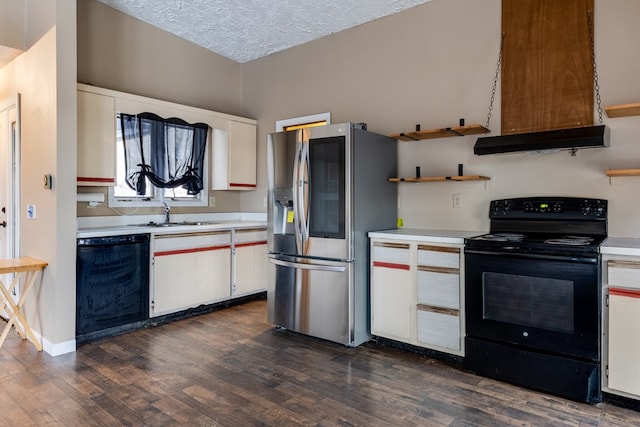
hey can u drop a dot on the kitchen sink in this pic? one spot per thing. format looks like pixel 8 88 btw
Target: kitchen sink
pixel 174 224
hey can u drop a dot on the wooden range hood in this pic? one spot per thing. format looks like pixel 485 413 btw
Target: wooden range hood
pixel 547 78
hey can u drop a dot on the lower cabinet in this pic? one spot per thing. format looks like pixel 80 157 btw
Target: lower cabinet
pixel 621 336
pixel 391 293
pixel 190 270
pixel 416 293
pixel 249 262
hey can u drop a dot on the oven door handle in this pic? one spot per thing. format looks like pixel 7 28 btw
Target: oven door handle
pixel 584 260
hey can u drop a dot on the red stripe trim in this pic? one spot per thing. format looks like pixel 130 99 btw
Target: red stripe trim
pixel 624 292
pixel 239 245
pixel 94 179
pixel 239 184
pixel 390 265
pixel 190 250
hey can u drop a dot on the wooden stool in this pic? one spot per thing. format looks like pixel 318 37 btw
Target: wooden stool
pixel 30 269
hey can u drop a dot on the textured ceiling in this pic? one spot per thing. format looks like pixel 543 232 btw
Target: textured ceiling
pixel 244 30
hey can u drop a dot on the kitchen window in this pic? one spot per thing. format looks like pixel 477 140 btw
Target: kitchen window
pixel 160 160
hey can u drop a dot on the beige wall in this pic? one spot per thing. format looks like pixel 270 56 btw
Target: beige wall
pixel 12 24
pixel 118 52
pixel 45 78
pixel 432 65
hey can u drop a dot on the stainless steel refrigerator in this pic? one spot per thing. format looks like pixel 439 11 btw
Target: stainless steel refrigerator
pixel 327 187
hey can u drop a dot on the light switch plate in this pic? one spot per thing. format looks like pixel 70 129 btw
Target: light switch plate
pixel 31 211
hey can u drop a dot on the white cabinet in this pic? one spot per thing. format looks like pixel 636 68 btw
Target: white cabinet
pixel 96 139
pixel 232 147
pixel 391 290
pixel 417 293
pixel 438 297
pixel 234 157
pixel 249 262
pixel 190 270
pixel 622 327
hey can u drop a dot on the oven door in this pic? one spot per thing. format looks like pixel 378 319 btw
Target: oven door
pixel 544 303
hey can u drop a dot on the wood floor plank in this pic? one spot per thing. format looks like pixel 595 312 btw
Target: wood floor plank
pixel 231 368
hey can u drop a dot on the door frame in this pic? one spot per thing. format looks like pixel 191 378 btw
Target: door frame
pixel 11 244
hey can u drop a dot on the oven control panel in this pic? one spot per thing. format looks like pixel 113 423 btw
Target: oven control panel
pixel 549 207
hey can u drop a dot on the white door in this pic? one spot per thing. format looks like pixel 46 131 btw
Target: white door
pixel 9 180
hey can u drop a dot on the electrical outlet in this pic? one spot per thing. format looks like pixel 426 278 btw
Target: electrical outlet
pixel 616 180
pixel 490 184
pixel 212 201
pixel 264 202
pixel 457 200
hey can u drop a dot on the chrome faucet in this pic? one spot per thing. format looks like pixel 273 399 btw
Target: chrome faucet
pixel 167 212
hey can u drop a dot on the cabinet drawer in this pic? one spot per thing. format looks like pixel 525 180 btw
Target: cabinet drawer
pixel 250 236
pixel 439 288
pixel 395 253
pixel 191 242
pixel 623 274
pixel 440 256
pixel 438 327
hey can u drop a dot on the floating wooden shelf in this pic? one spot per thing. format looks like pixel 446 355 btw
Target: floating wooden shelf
pixel 623 110
pixel 440 133
pixel 623 172
pixel 442 178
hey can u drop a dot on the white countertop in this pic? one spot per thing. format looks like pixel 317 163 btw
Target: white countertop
pixel 621 246
pixel 184 223
pixel 419 234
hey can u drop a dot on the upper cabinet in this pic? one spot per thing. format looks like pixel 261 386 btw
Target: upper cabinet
pixel 96 139
pixel 231 146
pixel 234 157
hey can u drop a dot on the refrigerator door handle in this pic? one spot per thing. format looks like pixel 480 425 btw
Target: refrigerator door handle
pixel 304 199
pixel 296 193
pixel 306 266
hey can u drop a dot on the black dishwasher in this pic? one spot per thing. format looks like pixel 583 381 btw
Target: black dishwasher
pixel 112 285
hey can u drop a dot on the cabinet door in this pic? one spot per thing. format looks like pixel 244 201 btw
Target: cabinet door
pixel 175 283
pixel 190 270
pixel 213 271
pixel 242 155
pixel 250 261
pixel 391 291
pixel 250 269
pixel 624 340
pixel 624 317
pixel 234 157
pixel 96 139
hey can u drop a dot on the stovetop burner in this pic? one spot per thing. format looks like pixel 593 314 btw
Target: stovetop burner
pixel 503 237
pixel 570 240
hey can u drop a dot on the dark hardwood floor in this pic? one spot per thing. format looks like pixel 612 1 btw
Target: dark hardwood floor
pixel 231 368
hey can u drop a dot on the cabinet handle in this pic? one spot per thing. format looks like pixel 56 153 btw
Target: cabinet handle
pixel 443 270
pixel 623 264
pixel 439 310
pixel 391 265
pixel 391 245
pixel 624 292
pixel 438 249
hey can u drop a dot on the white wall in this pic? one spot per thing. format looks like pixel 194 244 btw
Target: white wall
pixel 432 65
